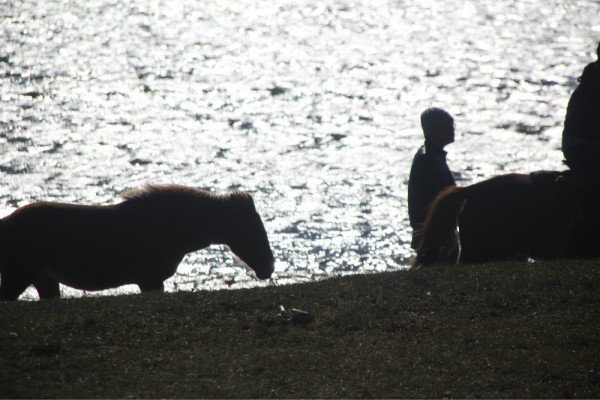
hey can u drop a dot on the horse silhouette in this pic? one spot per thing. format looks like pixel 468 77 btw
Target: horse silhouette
pixel 139 241
pixel 542 215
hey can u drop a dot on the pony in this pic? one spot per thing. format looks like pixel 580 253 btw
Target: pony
pixel 140 240
pixel 541 215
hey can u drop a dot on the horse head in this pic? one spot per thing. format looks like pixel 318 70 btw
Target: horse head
pixel 248 237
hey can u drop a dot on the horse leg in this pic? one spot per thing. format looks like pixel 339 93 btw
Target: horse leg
pixel 581 235
pixel 151 286
pixel 13 284
pixel 46 286
pixel 157 272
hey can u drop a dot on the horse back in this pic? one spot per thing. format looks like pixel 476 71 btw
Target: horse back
pixel 45 218
pixel 506 217
pixel 472 209
pixel 502 191
pixel 61 233
pixel 560 190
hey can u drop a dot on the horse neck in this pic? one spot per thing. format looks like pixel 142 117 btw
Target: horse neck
pixel 207 226
pixel 199 222
pixel 231 212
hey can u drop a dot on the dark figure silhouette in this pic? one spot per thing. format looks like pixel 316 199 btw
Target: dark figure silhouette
pixel 429 173
pixel 581 134
pixel 138 241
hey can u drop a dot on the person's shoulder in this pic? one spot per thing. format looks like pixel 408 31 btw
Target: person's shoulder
pixel 422 151
pixel 424 160
pixel 429 152
pixel 420 155
pixel 591 74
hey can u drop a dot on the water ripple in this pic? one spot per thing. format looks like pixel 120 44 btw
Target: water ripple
pixel 312 107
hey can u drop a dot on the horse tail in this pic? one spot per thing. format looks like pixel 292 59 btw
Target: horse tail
pixel 440 224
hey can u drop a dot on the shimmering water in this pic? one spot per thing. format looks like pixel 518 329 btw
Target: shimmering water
pixel 311 106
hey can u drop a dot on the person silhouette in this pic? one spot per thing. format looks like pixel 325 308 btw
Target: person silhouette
pixel 429 173
pixel 581 133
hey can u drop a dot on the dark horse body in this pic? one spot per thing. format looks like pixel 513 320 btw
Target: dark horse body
pixel 138 241
pixel 541 215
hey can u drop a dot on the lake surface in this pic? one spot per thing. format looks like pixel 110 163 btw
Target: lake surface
pixel 311 106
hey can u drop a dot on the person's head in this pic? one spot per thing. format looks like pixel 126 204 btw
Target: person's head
pixel 438 126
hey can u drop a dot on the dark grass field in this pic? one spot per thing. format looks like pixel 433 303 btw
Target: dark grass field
pixel 502 330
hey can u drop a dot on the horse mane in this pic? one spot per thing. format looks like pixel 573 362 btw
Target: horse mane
pixel 240 198
pixel 151 192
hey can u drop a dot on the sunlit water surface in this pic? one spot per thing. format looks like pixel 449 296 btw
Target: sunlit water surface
pixel 312 107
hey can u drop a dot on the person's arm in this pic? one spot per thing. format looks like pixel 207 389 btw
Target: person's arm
pixel 426 184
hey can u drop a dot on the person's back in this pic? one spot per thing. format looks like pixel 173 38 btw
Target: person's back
pixel 429 173
pixel 581 134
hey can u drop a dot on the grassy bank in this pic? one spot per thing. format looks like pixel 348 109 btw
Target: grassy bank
pixel 497 330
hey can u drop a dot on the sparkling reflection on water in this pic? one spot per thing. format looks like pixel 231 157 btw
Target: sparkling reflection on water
pixel 312 107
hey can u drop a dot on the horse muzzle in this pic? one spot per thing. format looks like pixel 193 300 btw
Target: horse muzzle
pixel 266 272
